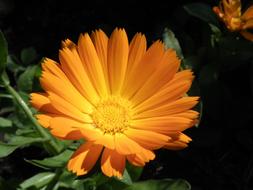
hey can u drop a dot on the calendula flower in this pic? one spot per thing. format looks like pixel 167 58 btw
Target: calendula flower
pixel 125 100
pixel 229 11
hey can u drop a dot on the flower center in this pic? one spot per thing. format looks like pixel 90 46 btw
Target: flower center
pixel 112 115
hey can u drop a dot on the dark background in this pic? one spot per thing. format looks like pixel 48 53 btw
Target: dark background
pixel 43 24
pixel 221 153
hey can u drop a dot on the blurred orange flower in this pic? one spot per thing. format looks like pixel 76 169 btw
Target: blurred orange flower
pixel 125 100
pixel 229 11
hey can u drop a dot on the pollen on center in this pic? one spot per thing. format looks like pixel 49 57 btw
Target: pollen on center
pixel 112 115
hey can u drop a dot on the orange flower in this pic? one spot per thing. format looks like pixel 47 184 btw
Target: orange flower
pixel 123 99
pixel 229 12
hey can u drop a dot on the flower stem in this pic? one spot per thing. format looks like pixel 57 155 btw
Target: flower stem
pixel 52 144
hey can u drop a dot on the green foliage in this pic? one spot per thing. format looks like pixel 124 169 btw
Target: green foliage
pixel 26 79
pixel 37 182
pixel 6 149
pixel 5 122
pixel 134 172
pixel 57 161
pixel 16 142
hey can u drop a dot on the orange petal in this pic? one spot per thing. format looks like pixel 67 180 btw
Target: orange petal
pixel 44 119
pixel 100 41
pixel 134 160
pixel 178 141
pixel 65 90
pixel 41 102
pixel 83 160
pixel 219 12
pixel 106 140
pixel 173 90
pixel 168 66
pixel 175 145
pixel 53 67
pixel 92 64
pixel 163 124
pixel 174 107
pixel 247 35
pixel 67 108
pixel 146 155
pixel 137 50
pixel 74 69
pixel 68 128
pixel 57 130
pixel 248 14
pixel 184 138
pixel 232 8
pixel 38 100
pixel 149 61
pixel 248 24
pixel 141 158
pixel 147 139
pixel 191 114
pixel 117 59
pixel 68 44
pixel 113 163
pixel 125 145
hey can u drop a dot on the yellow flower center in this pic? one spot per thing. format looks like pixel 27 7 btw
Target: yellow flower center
pixel 112 115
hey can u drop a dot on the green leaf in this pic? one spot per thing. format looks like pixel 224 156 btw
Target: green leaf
pixel 16 142
pixel 38 181
pixel 105 183
pixel 164 184
pixel 14 117
pixel 113 183
pixel 53 162
pixel 100 178
pixel 171 42
pixel 5 122
pixel 6 149
pixel 84 184
pixel 3 52
pixel 21 140
pixel 202 11
pixel 67 178
pixel 25 132
pixel 126 178
pixel 25 80
pixel 134 171
pixel 28 55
